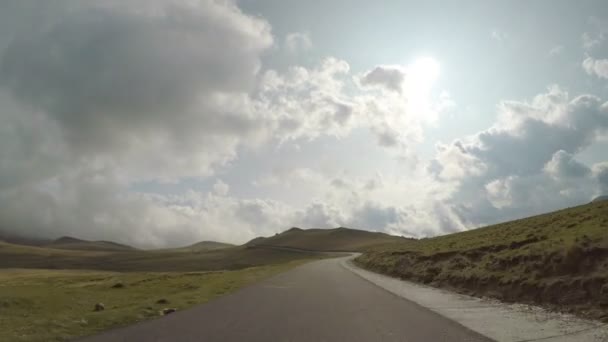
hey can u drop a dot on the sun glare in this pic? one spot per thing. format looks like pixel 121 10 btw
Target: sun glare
pixel 421 77
pixel 424 72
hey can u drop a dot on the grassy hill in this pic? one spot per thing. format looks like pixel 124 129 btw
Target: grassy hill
pixel 559 260
pixel 22 240
pixel 68 242
pixel 18 256
pixel 206 246
pixel 338 239
pixel 65 242
pixel 601 198
pixel 293 244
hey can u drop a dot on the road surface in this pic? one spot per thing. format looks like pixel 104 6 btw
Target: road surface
pixel 319 301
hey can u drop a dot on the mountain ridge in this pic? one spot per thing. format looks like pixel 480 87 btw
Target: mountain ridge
pixel 327 240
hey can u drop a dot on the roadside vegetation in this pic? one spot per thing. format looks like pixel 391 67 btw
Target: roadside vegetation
pixel 558 260
pixel 57 305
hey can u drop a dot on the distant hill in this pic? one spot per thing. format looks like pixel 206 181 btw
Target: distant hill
pixel 337 239
pixel 207 246
pixel 68 242
pixel 65 242
pixel 22 240
pixel 170 260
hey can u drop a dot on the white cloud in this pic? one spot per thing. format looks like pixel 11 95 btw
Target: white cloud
pixel 137 89
pixel 297 42
pixel 329 100
pixel 597 36
pixel 499 35
pixel 77 138
pixel 524 164
pixel 179 94
pixel 589 41
pixel 390 77
pixel 455 162
pixel 220 188
pixel 596 67
pixel 307 102
pixel 499 192
pixel 600 173
pixel 124 91
pixel 563 165
pixel 556 50
pixel 160 107
pixel 291 178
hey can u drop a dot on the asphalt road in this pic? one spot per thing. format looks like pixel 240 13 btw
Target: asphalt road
pixel 319 301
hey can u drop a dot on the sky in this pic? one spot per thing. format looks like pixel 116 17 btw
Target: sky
pixel 161 123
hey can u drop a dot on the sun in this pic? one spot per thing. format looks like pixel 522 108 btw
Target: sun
pixel 423 72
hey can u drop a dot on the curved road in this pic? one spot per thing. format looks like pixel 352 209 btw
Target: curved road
pixel 319 301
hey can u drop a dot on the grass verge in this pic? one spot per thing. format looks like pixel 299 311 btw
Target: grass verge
pixel 56 305
pixel 557 260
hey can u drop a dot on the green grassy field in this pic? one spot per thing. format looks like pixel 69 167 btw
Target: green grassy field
pixel 56 305
pixel 559 260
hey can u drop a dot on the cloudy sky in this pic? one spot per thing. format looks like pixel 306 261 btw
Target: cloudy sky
pixel 165 122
